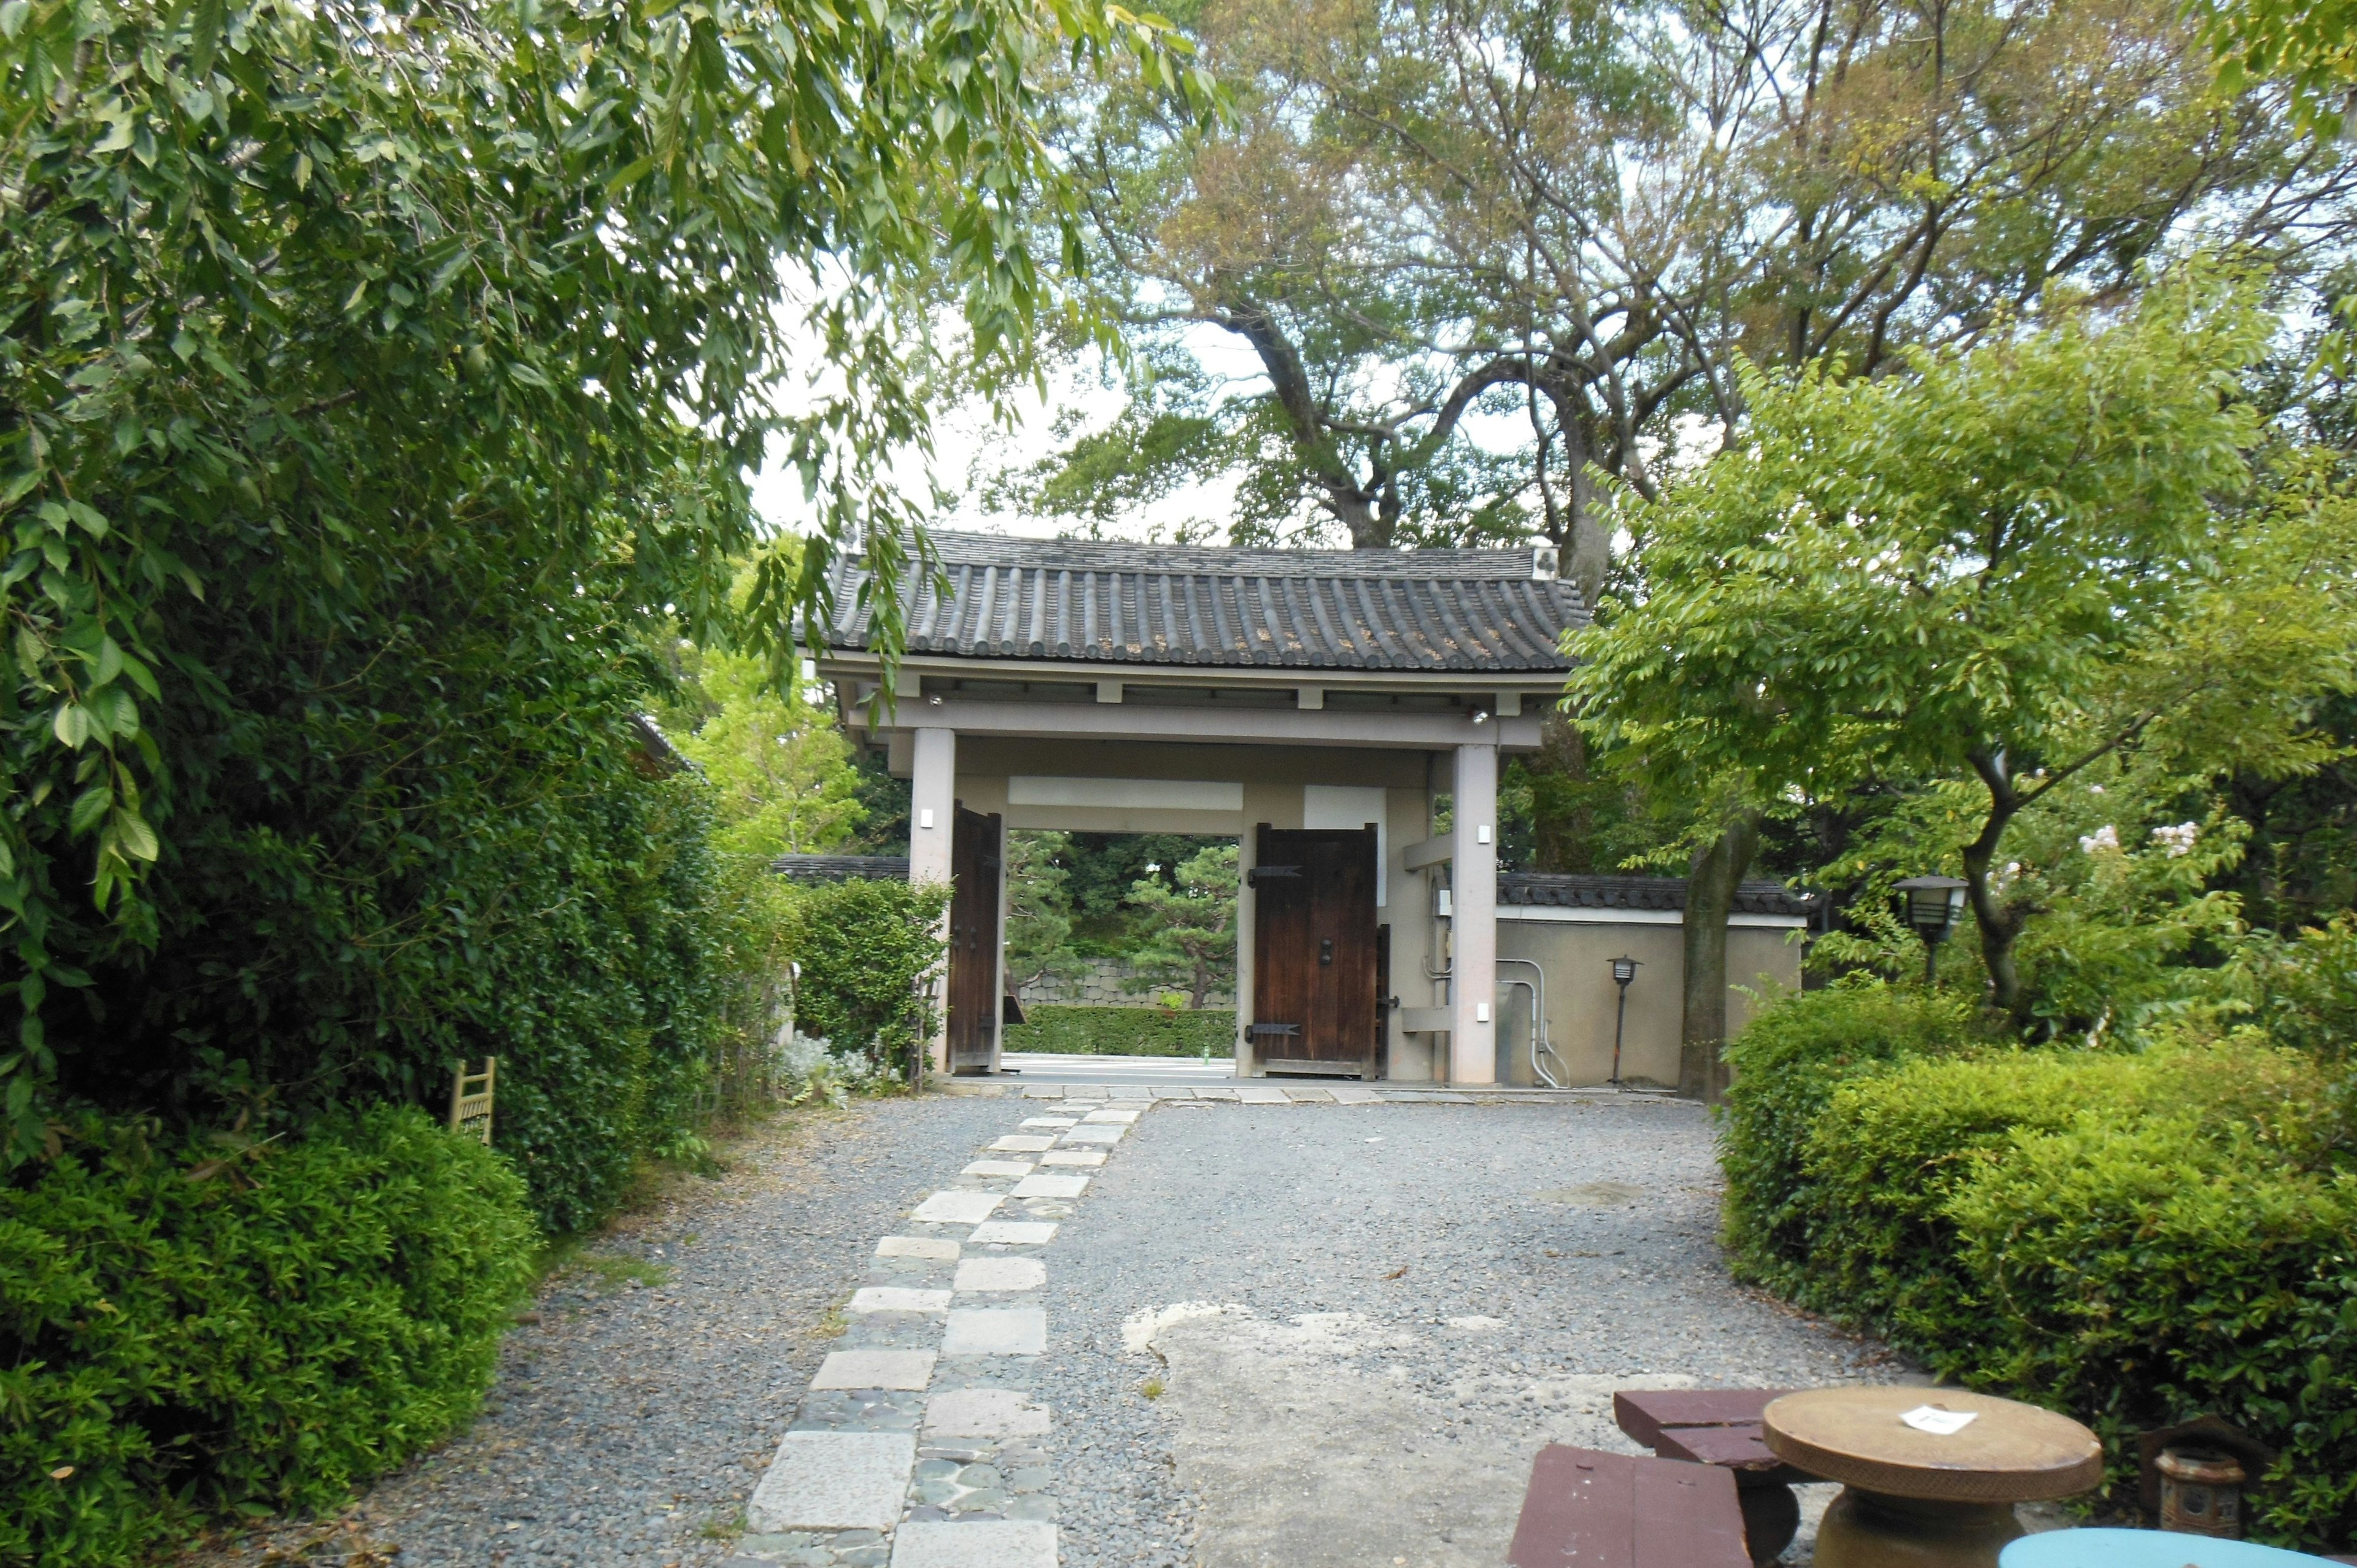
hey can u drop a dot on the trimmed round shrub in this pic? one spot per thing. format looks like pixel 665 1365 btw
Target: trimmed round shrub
pixel 199 1330
pixel 2191 1263
pixel 1787 1063
pixel 864 947
pixel 1894 1151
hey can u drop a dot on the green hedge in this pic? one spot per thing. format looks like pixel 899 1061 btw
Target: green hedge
pixel 863 946
pixel 1124 1032
pixel 193 1331
pixel 2133 1239
pixel 1787 1065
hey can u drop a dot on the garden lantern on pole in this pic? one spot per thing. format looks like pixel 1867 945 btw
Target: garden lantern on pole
pixel 1624 970
pixel 1934 904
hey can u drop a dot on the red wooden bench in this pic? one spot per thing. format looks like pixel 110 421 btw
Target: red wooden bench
pixel 1591 1509
pixel 1720 1427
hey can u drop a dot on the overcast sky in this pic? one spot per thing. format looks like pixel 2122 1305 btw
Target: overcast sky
pixel 970 448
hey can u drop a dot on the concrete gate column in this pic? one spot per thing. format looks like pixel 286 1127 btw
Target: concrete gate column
pixel 932 818
pixel 1473 891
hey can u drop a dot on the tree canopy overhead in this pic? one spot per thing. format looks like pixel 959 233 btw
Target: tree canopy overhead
pixel 353 343
pixel 1573 219
pixel 2004 567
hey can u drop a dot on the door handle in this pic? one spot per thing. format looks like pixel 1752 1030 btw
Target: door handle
pixel 1325 952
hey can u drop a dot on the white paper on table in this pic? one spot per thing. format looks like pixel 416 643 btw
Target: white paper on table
pixel 1937 1421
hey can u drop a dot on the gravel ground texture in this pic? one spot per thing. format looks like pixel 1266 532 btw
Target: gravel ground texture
pixel 1459 1284
pixel 628 1424
pixel 1272 1329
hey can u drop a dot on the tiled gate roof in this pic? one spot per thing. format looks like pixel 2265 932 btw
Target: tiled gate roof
pixel 1437 610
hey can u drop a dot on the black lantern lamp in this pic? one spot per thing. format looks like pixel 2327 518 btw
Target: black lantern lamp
pixel 1934 907
pixel 1624 970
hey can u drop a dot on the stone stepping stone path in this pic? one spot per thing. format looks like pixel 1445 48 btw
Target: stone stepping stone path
pixel 919 1443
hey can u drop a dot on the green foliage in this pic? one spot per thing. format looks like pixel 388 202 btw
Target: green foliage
pixel 1891 1152
pixel 2303 990
pixel 2132 1236
pixel 1935 576
pixel 1191 928
pixel 865 949
pixel 2180 1262
pixel 781 771
pixel 1409 254
pixel 1788 1063
pixel 2311 45
pixel 1126 1031
pixel 239 1325
pixel 376 376
pixel 1038 906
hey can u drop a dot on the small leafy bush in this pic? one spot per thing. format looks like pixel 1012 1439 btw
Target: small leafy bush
pixel 2135 1273
pixel 1788 1063
pixel 191 1329
pixel 1895 1151
pixel 1126 1031
pixel 2134 1238
pixel 864 946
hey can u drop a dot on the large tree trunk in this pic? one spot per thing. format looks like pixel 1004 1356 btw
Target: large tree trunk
pixel 1999 921
pixel 1711 881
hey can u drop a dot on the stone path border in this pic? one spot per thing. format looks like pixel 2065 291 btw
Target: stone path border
pixel 917 1443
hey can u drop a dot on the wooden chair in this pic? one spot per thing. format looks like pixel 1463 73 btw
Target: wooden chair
pixel 1586 1509
pixel 1721 1427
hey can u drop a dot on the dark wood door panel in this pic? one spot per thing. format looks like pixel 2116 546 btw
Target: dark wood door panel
pixel 976 851
pixel 1313 949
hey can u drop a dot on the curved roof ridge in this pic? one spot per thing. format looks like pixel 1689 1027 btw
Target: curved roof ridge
pixel 1096 601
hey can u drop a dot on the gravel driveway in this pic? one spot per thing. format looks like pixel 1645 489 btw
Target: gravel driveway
pixel 1370 1318
pixel 1294 1335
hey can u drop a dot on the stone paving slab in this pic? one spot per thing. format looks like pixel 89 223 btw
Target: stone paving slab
pixel 995 1543
pixel 996 1331
pixel 957 1208
pixel 1014 1233
pixel 938 1249
pixel 1025 1143
pixel 1355 1095
pixel 835 1480
pixel 1255 1094
pixel 984 1412
pixel 998 1168
pixel 1123 1118
pixel 1073 1157
pixel 898 1298
pixel 1001 1274
pixel 875 1370
pixel 1051 1122
pixel 1052 1186
pixel 1094 1135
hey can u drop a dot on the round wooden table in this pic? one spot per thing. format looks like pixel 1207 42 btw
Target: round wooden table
pixel 1922 1500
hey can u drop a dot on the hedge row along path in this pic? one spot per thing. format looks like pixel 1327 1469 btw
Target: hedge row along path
pixel 1088 1327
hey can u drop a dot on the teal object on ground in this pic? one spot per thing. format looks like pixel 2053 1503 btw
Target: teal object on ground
pixel 2144 1549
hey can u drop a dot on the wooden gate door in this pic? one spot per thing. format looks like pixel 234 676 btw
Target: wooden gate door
pixel 1314 950
pixel 976 853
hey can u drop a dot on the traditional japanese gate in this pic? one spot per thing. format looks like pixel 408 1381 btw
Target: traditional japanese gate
pixel 1280 698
